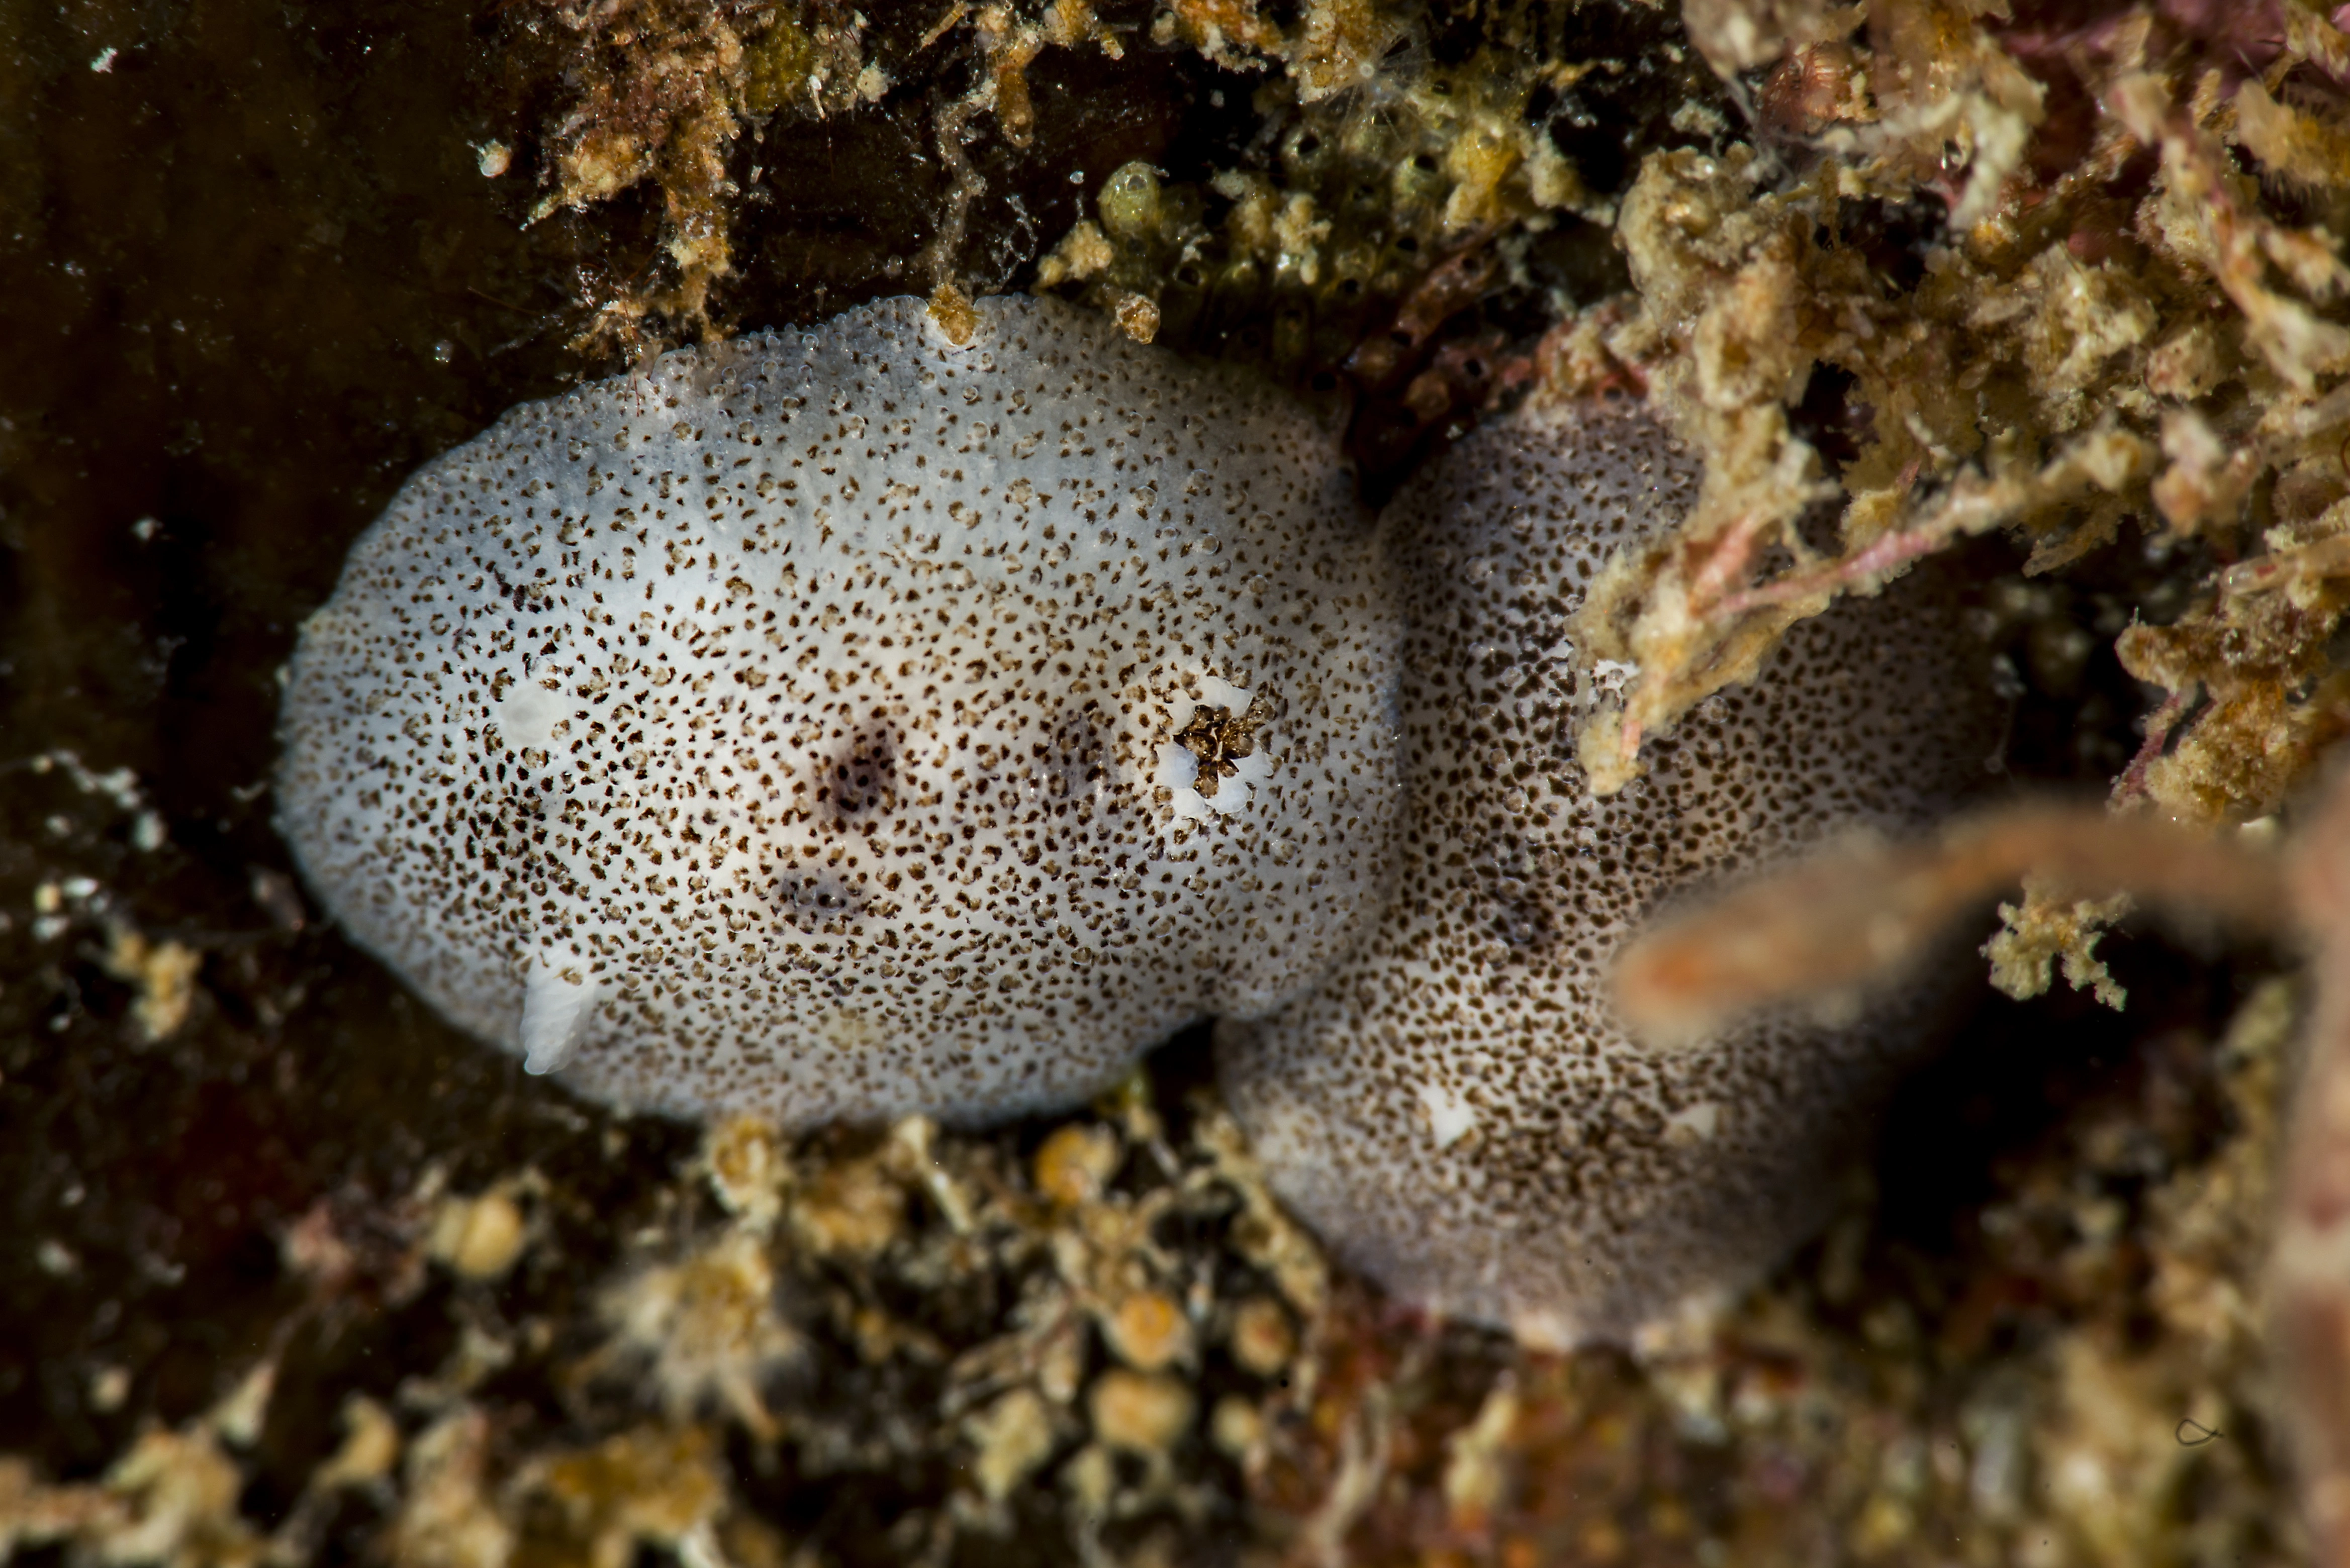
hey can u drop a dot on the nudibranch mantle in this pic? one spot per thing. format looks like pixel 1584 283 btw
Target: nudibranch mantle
pixel 849 723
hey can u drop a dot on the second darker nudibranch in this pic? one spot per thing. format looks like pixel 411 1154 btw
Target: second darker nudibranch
pixel 1457 1110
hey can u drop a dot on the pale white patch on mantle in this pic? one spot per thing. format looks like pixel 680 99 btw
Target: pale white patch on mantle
pixel 1693 1125
pixel 1449 1118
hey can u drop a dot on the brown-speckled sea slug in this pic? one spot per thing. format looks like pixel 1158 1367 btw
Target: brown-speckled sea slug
pixel 846 723
pixel 1456 1109
pixel 850 723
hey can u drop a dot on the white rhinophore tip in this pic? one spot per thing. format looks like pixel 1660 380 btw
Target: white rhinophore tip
pixel 554 1009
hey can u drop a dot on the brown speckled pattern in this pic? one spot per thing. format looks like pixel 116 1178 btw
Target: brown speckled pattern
pixel 791 727
pixel 1456 1111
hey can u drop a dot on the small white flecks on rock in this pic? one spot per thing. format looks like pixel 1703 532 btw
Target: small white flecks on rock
pixel 1457 1111
pixel 846 723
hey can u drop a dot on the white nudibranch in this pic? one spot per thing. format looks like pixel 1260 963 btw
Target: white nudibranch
pixel 841 724
pixel 844 723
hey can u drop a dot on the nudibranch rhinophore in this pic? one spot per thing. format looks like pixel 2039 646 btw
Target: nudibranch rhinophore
pixel 849 723
pixel 1456 1109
